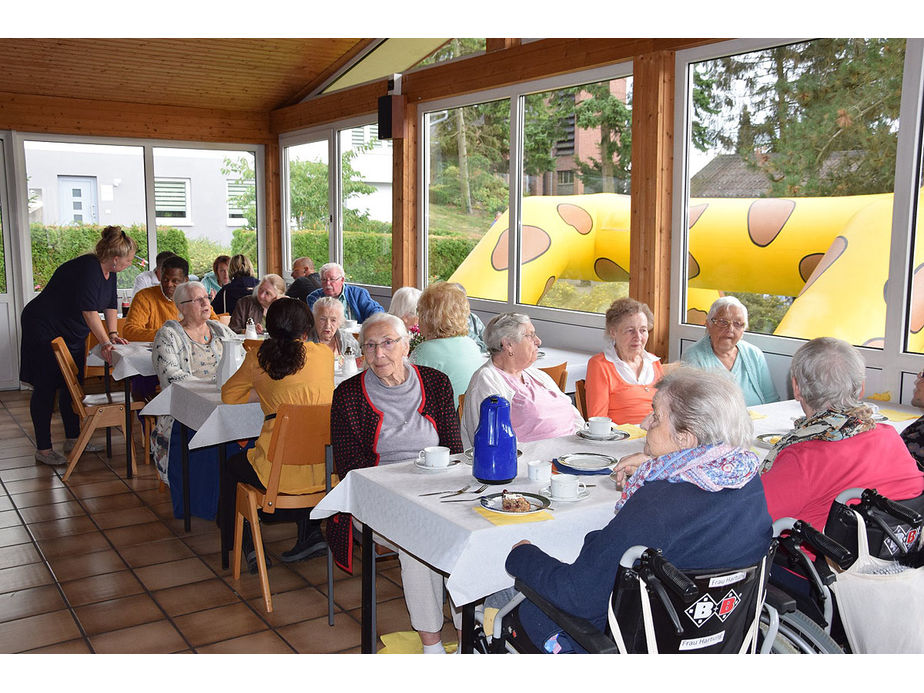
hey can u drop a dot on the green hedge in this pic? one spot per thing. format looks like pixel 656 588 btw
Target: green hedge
pixel 54 245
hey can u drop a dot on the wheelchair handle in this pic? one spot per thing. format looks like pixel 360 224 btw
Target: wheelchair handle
pixel 824 544
pixel 667 573
pixel 886 505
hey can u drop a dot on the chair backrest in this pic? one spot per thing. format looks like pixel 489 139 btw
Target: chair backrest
pixel 559 374
pixel 718 613
pixel 301 434
pixel 69 372
pixel 461 405
pixel 251 344
pixel 580 398
pixel 224 318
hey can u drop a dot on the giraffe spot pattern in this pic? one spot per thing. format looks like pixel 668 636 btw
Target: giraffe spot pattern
pixel 576 217
pixel 695 212
pixel 808 264
pixel 535 242
pixel 838 246
pixel 766 219
pixel 609 271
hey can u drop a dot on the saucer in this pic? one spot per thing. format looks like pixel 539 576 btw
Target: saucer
pixel 612 435
pixel 420 465
pixel 768 440
pixel 547 493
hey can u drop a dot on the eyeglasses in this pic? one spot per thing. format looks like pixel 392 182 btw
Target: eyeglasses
pixel 725 324
pixel 332 280
pixel 202 301
pixel 386 344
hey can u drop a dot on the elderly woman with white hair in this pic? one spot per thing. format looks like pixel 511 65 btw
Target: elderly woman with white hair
pixel 389 413
pixel 254 307
pixel 836 445
pixel 328 329
pixel 404 305
pixel 185 349
pixel 723 349
pixel 538 408
pixel 695 481
pixel 358 304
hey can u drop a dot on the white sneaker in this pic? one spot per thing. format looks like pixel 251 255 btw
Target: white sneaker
pixel 70 443
pixel 52 458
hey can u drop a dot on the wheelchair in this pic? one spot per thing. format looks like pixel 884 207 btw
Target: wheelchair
pixel 654 608
pixel 893 533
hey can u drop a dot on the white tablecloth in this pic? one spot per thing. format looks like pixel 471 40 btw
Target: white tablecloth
pixel 779 416
pixel 134 358
pixel 453 537
pixel 197 404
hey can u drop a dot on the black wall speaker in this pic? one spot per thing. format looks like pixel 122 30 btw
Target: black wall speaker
pixel 391 116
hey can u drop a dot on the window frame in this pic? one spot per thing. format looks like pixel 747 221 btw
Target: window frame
pixel 186 219
pixel 890 368
pixel 554 319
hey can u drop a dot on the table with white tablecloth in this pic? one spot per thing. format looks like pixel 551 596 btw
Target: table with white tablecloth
pixel 778 417
pixel 455 539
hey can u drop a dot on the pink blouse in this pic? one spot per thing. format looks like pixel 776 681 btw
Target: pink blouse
pixel 536 412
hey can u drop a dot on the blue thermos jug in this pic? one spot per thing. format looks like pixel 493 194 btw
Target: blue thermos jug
pixel 495 444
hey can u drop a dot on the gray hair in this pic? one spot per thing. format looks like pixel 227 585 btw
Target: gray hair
pixel 182 291
pixel 278 283
pixel 829 373
pixel 393 320
pixel 724 303
pixel 708 405
pixel 501 327
pixel 327 302
pixel 404 301
pixel 328 266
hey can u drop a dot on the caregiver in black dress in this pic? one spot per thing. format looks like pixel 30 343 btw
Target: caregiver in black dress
pixel 69 307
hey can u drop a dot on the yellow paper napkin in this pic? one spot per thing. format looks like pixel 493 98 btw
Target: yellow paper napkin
pixel 882 396
pixel 895 415
pixel 501 519
pixel 407 642
pixel 756 414
pixel 633 431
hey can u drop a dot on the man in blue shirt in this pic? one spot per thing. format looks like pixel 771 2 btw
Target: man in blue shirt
pixel 357 303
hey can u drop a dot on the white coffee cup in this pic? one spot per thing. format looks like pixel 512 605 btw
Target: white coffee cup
pixel 435 456
pixel 349 324
pixel 539 470
pixel 566 486
pixel 599 425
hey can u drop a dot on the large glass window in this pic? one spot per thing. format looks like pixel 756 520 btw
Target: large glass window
pixel 366 205
pixel 468 195
pixel 792 155
pixel 309 201
pixel 81 188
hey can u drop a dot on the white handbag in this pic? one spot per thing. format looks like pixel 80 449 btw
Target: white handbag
pixel 881 603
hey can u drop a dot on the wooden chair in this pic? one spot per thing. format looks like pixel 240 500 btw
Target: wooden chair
pixel 224 318
pixel 251 344
pixel 95 411
pixel 559 374
pixel 580 398
pixel 301 436
pixel 461 405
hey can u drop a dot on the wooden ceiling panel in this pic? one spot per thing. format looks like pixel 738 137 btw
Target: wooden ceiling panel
pixel 238 74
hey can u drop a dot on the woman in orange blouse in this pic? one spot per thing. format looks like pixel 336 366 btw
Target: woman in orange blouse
pixel 284 370
pixel 621 379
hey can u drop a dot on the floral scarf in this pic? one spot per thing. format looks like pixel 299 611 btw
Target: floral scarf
pixel 710 467
pixel 828 424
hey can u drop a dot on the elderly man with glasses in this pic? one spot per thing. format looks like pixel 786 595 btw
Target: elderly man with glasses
pixel 723 349
pixel 357 303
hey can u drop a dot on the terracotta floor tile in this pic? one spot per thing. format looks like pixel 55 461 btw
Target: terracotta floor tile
pixel 137 534
pixel 104 504
pixel 165 575
pixel 42 483
pixel 70 647
pixel 265 642
pixel 124 517
pixel 6 503
pixel 116 614
pixel 280 579
pixel 293 606
pixel 155 552
pixel 65 527
pixel 54 511
pixel 98 588
pixel 23 603
pixel 10 536
pixel 23 577
pixel 27 500
pixel 85 474
pixel 17 449
pixel 37 631
pixel 102 488
pixel 316 637
pixel 9 518
pixel 348 593
pixel 67 568
pixel 19 554
pixel 73 546
pixel 27 460
pixel 158 637
pixel 390 616
pixel 34 471
pixel 220 623
pixel 195 596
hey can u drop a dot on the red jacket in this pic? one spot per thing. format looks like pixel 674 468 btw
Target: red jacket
pixel 355 425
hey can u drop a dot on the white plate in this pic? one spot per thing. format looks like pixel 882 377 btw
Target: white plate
pixel 420 465
pixel 766 440
pixel 469 454
pixel 880 417
pixel 582 494
pixel 494 501
pixel 587 461
pixel 612 435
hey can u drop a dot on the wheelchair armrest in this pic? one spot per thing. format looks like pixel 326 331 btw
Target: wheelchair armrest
pixel 779 600
pixel 580 630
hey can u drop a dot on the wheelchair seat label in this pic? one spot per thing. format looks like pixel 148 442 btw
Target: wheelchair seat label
pixel 699 643
pixel 729 579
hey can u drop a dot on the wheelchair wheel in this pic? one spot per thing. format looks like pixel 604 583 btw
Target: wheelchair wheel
pixel 806 636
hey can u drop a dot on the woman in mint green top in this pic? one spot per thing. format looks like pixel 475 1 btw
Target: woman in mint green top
pixel 723 349
pixel 443 312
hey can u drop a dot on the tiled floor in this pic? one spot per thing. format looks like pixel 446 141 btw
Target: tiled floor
pixel 101 565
